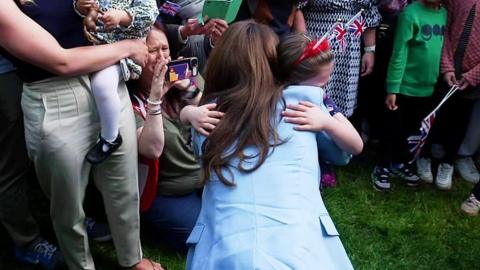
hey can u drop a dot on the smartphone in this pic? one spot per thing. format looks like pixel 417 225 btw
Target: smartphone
pixel 181 69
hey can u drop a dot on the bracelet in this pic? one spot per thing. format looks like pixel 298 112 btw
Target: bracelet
pixel 155 112
pixel 369 49
pixel 154 103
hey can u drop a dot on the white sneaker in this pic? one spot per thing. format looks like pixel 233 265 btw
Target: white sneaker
pixel 471 206
pixel 444 176
pixel 467 169
pixel 424 170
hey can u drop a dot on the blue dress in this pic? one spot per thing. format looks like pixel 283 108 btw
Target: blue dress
pixel 274 218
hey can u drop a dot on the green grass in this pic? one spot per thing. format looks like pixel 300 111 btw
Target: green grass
pixel 405 229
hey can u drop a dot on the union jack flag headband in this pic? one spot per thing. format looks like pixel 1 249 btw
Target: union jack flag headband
pixel 314 48
pixel 355 25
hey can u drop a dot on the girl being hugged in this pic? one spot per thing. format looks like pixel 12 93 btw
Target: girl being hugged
pixel 109 21
pixel 306 65
pixel 261 205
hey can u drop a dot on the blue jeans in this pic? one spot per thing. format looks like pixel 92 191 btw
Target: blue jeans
pixel 171 219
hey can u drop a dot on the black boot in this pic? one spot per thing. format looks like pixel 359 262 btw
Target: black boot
pixel 96 155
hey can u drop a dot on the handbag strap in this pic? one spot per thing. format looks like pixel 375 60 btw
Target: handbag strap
pixel 463 42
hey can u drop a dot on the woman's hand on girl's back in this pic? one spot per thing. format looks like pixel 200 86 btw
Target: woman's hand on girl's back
pixel 307 117
pixel 204 118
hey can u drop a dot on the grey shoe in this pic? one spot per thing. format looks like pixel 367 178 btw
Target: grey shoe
pixel 467 169
pixel 444 176
pixel 424 170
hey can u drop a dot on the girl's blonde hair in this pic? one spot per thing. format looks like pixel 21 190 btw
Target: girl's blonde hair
pixel 290 49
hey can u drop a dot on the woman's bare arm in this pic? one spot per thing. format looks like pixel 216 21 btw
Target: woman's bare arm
pixel 25 39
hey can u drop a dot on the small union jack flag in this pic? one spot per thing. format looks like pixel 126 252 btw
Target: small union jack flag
pixel 170 8
pixel 339 33
pixel 357 27
pixel 417 141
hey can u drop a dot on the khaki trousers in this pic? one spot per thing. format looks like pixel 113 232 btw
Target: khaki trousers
pixel 61 125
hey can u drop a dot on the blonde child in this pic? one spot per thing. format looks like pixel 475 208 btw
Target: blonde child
pixel 117 20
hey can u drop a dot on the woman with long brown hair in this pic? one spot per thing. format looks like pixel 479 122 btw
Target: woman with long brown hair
pixel 261 206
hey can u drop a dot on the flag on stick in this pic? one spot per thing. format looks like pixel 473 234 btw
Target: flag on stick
pixel 417 141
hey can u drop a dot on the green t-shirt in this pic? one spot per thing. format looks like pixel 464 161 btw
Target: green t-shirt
pixel 415 64
pixel 179 172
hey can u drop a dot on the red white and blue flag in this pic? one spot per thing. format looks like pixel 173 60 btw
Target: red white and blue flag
pixel 339 34
pixel 417 141
pixel 170 8
pixel 357 27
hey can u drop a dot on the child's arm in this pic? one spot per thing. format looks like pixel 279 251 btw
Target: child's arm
pixel 309 117
pixel 142 13
pixel 398 62
pixel 203 118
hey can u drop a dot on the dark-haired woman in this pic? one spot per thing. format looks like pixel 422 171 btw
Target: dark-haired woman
pixel 164 141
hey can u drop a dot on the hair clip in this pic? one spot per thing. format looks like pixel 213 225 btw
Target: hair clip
pixel 314 48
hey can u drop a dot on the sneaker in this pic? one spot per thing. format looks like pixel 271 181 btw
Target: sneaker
pixel 43 253
pixel 444 176
pixel 402 171
pixel 471 206
pixel 328 176
pixel 99 232
pixel 103 149
pixel 381 178
pixel 424 170
pixel 467 169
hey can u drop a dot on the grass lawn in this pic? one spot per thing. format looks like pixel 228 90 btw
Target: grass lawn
pixel 405 229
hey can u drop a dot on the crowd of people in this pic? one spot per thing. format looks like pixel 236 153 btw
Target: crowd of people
pixel 227 164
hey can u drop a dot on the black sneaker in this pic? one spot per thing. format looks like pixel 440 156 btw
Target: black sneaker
pixel 97 154
pixel 381 179
pixel 403 171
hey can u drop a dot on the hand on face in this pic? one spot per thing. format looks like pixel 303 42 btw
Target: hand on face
pixel 158 87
